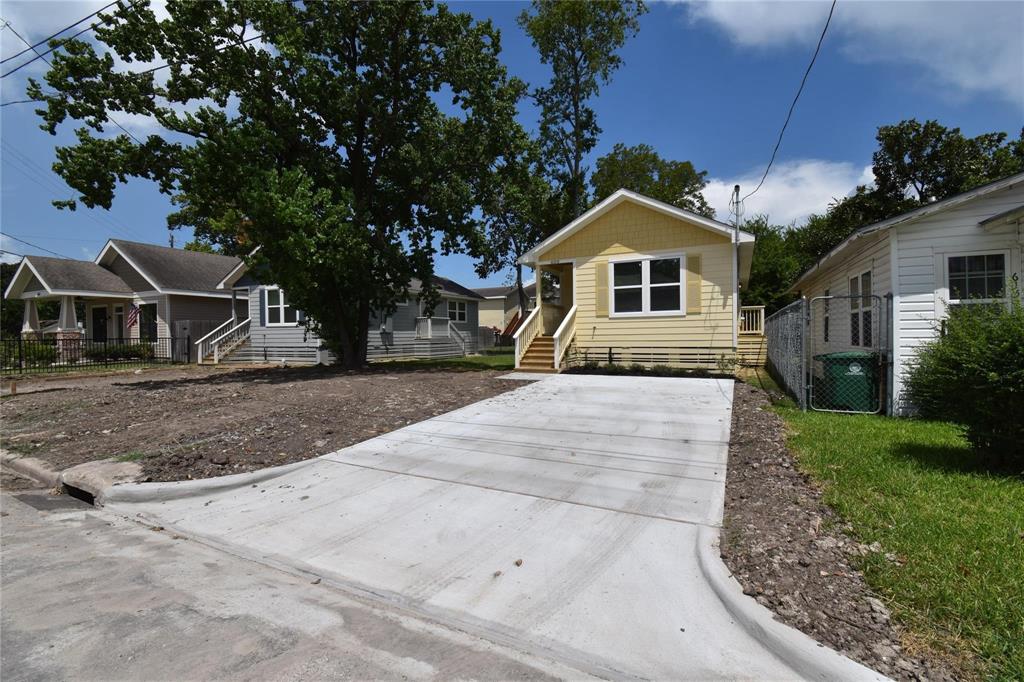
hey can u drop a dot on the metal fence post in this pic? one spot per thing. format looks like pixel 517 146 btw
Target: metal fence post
pixel 805 314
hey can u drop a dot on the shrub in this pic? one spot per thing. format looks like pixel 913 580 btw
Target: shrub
pixel 973 375
pixel 40 355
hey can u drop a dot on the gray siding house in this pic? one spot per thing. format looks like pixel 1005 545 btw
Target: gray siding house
pixel 275 331
pixel 174 290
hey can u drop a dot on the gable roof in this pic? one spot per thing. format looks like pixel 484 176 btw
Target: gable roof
pixel 170 269
pixel 911 216
pixel 530 288
pixel 624 195
pixel 447 286
pixel 65 276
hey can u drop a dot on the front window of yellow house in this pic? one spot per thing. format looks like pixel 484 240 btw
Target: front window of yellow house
pixel 649 286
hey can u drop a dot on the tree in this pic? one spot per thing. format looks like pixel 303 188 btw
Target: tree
pixel 579 41
pixel 201 246
pixel 520 209
pixel 311 129
pixel 933 162
pixel 774 268
pixel 642 170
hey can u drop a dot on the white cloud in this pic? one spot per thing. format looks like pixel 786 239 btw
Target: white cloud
pixel 973 46
pixel 7 250
pixel 793 191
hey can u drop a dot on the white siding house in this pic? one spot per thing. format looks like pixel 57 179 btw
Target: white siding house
pixel 969 246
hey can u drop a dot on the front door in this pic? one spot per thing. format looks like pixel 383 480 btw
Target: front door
pixel 99 324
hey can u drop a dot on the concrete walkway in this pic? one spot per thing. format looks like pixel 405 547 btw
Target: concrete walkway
pixel 572 518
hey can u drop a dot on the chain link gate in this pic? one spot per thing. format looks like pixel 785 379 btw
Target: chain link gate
pixel 846 354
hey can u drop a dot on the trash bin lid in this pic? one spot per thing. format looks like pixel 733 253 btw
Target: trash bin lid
pixel 847 355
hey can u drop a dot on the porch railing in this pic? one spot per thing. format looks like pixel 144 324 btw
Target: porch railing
pixel 204 346
pixel 526 333
pixel 564 335
pixel 752 319
pixel 223 344
pixel 432 327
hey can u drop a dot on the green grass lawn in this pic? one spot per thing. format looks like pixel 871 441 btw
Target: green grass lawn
pixel 916 488
pixel 486 361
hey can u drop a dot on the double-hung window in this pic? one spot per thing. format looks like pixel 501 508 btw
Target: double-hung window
pixel 279 310
pixel 457 311
pixel 648 286
pixel 861 310
pixel 977 278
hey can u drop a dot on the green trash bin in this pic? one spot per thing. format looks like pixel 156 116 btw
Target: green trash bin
pixel 849 381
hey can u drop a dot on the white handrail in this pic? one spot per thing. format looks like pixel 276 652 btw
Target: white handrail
pixel 202 347
pixel 523 342
pixel 238 333
pixel 458 335
pixel 563 337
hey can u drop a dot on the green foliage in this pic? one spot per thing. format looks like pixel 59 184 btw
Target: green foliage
pixel 520 209
pixel 973 375
pixel 322 141
pixel 114 352
pixel 200 246
pixel 642 170
pixel 774 268
pixel 637 369
pixel 32 353
pixel 580 42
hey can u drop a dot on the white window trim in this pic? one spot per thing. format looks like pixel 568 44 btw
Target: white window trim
pixel 645 284
pixel 942 292
pixel 464 311
pixel 266 309
pixel 859 311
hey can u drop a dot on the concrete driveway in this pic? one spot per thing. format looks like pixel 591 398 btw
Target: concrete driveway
pixel 571 518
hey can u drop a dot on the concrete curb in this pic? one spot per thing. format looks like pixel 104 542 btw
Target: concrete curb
pixel 33 468
pixel 98 478
pixel 176 490
pixel 811 660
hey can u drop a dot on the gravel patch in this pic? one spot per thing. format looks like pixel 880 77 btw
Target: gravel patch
pixel 793 554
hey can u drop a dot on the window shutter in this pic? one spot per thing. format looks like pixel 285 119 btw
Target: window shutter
pixel 602 289
pixel 693 284
pixel 263 307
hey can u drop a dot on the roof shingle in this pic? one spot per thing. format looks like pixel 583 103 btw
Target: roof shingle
pixel 177 268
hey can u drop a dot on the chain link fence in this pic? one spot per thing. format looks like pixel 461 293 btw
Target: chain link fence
pixel 784 331
pixel 845 354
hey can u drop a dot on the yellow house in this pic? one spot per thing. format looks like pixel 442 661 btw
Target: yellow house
pixel 638 281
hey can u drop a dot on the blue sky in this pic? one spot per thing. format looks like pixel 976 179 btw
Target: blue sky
pixel 707 82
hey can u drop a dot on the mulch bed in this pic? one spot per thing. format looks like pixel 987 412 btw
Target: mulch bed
pixel 792 553
pixel 200 424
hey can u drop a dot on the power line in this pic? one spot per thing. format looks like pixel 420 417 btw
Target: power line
pixel 36 246
pixel 109 118
pixel 21 101
pixel 32 171
pixel 11 253
pixel 54 35
pixel 792 106
pixel 219 49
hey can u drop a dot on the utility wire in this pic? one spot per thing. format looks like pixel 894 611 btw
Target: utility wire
pixel 792 106
pixel 8 24
pixel 11 253
pixel 36 246
pixel 66 28
pixel 21 101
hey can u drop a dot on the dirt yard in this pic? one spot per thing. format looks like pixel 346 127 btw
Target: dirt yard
pixel 196 423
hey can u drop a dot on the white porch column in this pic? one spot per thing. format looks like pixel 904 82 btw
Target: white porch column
pixel 67 322
pixel 30 320
pixel 234 315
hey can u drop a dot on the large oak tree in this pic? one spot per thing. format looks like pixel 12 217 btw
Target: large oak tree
pixel 350 140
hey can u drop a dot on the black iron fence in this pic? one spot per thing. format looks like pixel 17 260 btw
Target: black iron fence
pixel 19 356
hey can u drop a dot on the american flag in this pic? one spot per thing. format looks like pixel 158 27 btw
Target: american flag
pixel 133 315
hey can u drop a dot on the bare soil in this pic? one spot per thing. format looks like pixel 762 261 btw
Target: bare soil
pixel 793 554
pixel 194 423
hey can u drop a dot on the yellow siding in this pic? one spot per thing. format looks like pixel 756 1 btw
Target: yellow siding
pixel 629 228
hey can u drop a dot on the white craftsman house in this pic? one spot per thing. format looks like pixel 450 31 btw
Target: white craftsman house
pixel 963 250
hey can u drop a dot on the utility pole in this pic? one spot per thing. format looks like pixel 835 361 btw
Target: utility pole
pixel 170 238
pixel 736 208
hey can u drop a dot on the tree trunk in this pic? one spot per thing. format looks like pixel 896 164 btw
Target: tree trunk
pixel 364 332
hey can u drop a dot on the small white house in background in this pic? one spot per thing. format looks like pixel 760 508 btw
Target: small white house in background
pixel 962 250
